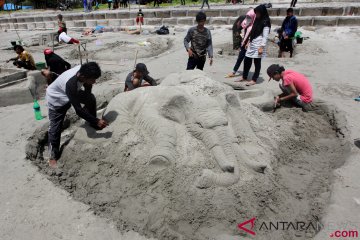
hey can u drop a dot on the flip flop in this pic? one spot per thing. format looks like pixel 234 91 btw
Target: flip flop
pixel 357 99
pixel 241 80
pixel 250 83
pixel 231 75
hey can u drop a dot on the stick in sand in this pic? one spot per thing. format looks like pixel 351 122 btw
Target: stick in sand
pixel 136 54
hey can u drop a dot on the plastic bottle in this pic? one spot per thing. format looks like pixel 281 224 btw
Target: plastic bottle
pixel 37 110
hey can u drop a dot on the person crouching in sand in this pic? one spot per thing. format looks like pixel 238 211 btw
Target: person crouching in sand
pixel 295 86
pixel 134 79
pixel 63 37
pixel 66 92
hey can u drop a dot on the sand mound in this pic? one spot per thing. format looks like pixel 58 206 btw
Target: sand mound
pixel 125 49
pixel 190 160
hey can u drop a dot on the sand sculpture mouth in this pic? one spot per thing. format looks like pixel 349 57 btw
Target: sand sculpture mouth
pixel 193 162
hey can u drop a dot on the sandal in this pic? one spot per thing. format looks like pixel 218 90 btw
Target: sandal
pixel 241 80
pixel 252 82
pixel 230 75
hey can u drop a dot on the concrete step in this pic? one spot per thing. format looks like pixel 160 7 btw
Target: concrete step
pixel 81 24
pixel 349 10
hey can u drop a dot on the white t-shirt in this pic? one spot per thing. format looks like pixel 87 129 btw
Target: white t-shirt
pixel 65 38
pixel 56 92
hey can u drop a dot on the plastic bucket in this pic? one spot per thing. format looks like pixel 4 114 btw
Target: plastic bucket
pixel 40 65
pixel 299 40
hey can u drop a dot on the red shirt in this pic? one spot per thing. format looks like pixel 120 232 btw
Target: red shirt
pixel 301 83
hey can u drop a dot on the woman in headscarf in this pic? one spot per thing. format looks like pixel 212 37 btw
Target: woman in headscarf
pixel 55 63
pixel 255 43
pixel 246 24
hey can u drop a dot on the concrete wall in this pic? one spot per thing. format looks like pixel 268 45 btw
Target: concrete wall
pixel 166 13
pixel 20 93
pixel 79 25
pixel 11 75
pixel 332 16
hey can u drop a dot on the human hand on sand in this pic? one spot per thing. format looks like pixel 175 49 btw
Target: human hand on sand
pixel 102 123
pixel 276 101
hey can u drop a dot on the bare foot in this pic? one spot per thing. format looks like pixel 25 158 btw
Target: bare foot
pixel 52 163
pixel 252 82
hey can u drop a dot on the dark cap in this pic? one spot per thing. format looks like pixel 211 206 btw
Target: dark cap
pixel 141 67
pixel 274 69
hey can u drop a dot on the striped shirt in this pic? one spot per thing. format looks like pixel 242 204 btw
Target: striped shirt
pixel 255 44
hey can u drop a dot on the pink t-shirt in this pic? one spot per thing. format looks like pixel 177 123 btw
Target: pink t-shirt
pixel 301 83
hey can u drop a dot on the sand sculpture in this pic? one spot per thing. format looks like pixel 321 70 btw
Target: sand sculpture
pixel 192 158
pixel 205 109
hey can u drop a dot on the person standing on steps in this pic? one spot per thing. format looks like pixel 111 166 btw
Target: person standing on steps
pixel 157 2
pixel 255 44
pixel 293 3
pixel 140 18
pixel 287 33
pixel 85 6
pixel 116 4
pixel 201 43
pixel 109 4
pixel 89 5
pixel 207 3
pixel 63 93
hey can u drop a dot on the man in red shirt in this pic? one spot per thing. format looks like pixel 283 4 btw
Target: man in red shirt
pixel 295 86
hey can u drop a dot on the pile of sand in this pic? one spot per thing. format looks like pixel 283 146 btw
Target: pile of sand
pixel 163 166
pixel 114 51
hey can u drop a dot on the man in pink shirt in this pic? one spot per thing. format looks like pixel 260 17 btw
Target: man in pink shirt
pixel 295 86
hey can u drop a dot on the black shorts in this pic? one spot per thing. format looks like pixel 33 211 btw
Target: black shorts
pixel 286 45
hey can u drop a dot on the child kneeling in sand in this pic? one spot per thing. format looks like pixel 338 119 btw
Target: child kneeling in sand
pixel 295 86
pixel 135 78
